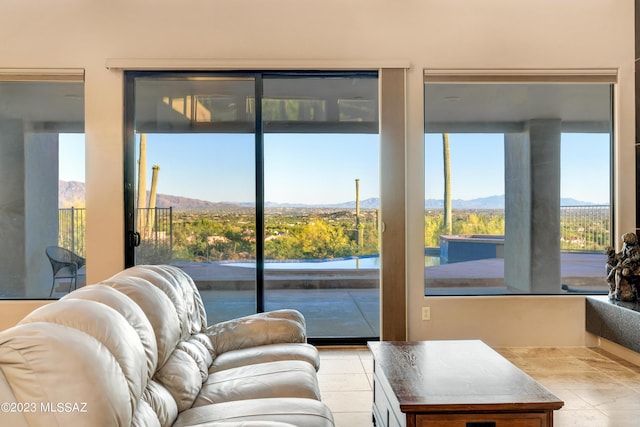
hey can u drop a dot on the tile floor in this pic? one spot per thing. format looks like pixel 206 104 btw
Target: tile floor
pixel 598 389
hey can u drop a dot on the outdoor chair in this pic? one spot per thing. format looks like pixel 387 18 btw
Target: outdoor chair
pixel 65 265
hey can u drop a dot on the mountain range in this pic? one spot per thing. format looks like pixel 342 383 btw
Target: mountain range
pixel 72 193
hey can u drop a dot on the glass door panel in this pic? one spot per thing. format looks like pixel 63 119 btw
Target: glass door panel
pixel 264 189
pixel 195 185
pixel 321 192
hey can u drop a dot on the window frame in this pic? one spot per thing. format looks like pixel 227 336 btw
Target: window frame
pixel 532 76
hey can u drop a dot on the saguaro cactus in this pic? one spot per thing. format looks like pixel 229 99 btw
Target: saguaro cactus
pixel 151 213
pixel 448 224
pixel 142 183
pixel 360 233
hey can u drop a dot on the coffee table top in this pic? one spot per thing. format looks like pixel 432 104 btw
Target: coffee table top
pixel 465 376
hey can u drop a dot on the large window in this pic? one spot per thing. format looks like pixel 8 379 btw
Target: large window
pixel 517 187
pixel 42 191
pixel 264 188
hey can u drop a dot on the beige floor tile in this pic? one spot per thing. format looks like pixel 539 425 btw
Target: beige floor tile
pixel 344 382
pixel 631 381
pixel 367 364
pixel 506 352
pixel 552 365
pixel 348 401
pixel 599 390
pixel 623 418
pixel 370 378
pixel 337 366
pixel 576 380
pixel 611 400
pixel 617 359
pixel 580 418
pixel 353 419
pixel 365 354
pixel 327 353
pixel 610 367
pixel 537 352
pixel 571 400
pixel 581 352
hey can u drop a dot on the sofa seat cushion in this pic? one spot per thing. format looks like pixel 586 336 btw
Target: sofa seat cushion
pixel 296 411
pixel 253 331
pixel 245 424
pixel 266 353
pixel 157 407
pixel 294 378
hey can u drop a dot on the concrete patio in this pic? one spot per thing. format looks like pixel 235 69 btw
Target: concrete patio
pixel 345 302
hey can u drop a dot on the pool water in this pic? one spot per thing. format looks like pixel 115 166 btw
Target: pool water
pixel 370 262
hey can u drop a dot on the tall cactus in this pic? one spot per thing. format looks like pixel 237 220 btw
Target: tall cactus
pixel 359 230
pixel 448 223
pixel 151 213
pixel 142 182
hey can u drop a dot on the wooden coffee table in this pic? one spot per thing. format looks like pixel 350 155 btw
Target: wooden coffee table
pixel 454 384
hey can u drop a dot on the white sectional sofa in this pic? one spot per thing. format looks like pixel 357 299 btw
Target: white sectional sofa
pixel 136 350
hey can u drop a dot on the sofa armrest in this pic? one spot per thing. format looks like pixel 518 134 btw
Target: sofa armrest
pixel 274 327
pixel 252 423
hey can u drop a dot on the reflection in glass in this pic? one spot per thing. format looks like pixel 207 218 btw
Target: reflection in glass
pixel 517 188
pixel 42 192
pixel 217 199
pixel 195 198
pixel 321 191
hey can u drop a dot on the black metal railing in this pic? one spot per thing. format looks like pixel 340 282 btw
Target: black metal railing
pixel 585 228
pixel 71 229
pixel 582 229
pixel 155 226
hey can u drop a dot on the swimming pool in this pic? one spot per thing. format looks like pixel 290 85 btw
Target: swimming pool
pixel 355 263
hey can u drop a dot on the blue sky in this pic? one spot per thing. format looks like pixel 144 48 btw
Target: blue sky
pixel 310 169
pixel 322 168
pixel 477 166
pixel 306 169
pixel 71 157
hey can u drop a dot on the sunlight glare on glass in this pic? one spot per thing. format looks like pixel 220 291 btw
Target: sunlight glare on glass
pixel 71 157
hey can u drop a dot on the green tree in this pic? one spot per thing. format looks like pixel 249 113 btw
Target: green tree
pixel 433 228
pixel 314 240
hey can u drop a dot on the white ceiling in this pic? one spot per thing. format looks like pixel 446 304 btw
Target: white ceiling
pixel 448 107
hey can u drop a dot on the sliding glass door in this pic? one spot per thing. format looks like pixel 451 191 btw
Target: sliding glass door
pixel 264 188
pixel 191 163
pixel 321 181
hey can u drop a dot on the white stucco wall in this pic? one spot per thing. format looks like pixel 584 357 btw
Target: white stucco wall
pixel 451 34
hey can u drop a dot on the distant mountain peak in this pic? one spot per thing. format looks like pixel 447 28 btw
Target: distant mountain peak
pixel 72 193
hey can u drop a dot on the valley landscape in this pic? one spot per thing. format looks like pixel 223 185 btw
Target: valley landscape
pixel 196 230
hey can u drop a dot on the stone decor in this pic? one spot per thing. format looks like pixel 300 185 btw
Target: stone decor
pixel 623 269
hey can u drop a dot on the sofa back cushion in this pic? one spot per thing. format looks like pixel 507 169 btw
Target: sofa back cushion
pixel 180 289
pixel 157 307
pixel 130 349
pixel 49 364
pixel 105 325
pixel 130 311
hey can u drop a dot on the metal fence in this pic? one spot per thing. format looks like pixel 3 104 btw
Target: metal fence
pixel 71 229
pixel 155 227
pixel 582 229
pixel 585 228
